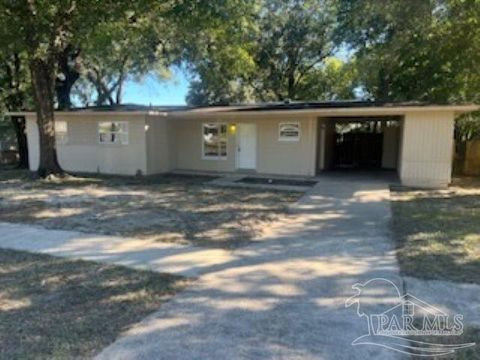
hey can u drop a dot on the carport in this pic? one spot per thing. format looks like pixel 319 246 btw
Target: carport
pixel 358 143
pixel 415 141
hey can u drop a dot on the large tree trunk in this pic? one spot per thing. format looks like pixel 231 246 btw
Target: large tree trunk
pixel 18 123
pixel 63 90
pixel 69 64
pixel 43 88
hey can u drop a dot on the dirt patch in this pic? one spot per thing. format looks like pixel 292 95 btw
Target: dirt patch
pixel 53 308
pixel 179 208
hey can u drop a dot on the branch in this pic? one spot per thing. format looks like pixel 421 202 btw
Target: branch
pixel 93 75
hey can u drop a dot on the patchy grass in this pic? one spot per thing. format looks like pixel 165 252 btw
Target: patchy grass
pixel 470 335
pixel 176 208
pixel 438 233
pixel 58 308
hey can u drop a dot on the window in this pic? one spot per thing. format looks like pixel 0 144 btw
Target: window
pixel 289 131
pixel 113 132
pixel 61 135
pixel 214 141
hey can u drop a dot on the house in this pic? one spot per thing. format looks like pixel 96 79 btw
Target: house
pixel 296 139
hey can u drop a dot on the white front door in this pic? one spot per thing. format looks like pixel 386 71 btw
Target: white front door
pixel 246 146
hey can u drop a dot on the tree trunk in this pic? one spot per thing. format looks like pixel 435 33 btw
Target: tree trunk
pixel 291 85
pixel 43 88
pixel 69 64
pixel 64 89
pixel 18 123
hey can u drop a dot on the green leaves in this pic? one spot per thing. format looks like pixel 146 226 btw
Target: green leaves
pixel 264 54
pixel 414 50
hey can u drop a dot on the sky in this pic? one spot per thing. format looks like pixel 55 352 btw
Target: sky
pixel 152 91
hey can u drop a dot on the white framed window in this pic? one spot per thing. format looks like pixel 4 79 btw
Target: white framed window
pixel 61 132
pixel 289 131
pixel 214 141
pixel 113 132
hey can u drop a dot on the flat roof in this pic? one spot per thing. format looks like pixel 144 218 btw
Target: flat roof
pixel 274 107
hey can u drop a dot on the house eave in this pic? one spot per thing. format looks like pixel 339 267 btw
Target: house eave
pixel 331 112
pixel 232 112
pixel 94 113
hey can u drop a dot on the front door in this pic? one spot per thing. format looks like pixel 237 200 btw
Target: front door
pixel 247 146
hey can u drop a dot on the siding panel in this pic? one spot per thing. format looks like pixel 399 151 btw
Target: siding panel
pixel 427 143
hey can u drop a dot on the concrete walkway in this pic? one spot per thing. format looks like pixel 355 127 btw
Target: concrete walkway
pixel 171 258
pixel 282 297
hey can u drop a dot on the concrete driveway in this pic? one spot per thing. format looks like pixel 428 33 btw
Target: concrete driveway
pixel 284 297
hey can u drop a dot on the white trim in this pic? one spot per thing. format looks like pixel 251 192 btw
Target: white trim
pixel 289 139
pixel 218 124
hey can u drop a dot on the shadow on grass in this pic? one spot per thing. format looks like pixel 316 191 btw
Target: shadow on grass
pixel 58 308
pixel 438 235
pixel 172 207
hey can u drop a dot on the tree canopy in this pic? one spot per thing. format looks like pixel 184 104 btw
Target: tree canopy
pixel 272 54
pixel 423 50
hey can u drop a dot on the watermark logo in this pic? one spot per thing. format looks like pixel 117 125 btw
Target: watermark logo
pixel 401 319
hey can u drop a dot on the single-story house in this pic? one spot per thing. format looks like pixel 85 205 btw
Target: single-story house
pixel 291 138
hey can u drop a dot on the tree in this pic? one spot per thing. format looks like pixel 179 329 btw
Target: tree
pixel 129 47
pixel 48 29
pixel 334 79
pixel 15 95
pixel 294 39
pixel 424 50
pixel 68 72
pixel 278 49
pixel 217 44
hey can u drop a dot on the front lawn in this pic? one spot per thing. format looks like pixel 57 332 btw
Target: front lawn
pixel 166 208
pixel 438 232
pixel 57 308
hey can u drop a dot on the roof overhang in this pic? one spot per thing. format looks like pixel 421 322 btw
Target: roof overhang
pixel 239 112
pixel 328 112
pixel 95 113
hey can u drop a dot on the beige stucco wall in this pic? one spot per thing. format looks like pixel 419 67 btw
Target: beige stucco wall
pixel 83 152
pixel 283 157
pixel 273 156
pixel 426 149
pixel 187 147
